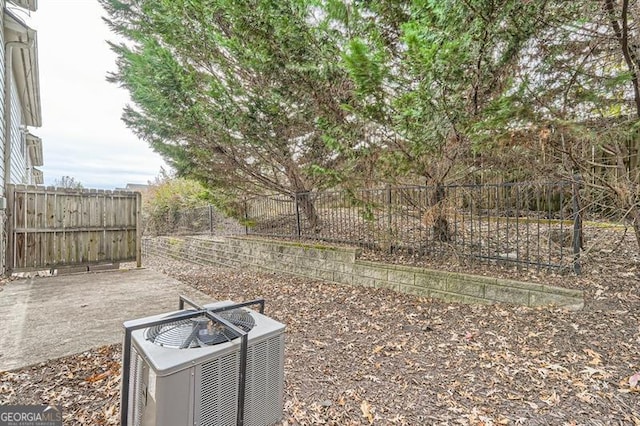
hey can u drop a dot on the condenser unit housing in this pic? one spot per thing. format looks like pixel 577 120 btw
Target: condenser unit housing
pixel 187 368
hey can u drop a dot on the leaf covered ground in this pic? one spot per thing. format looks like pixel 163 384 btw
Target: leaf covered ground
pixel 372 356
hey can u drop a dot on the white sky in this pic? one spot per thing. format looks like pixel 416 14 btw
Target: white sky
pixel 82 133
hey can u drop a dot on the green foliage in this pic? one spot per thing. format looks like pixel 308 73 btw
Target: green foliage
pixel 230 92
pixel 364 68
pixel 173 194
pixel 368 212
pixel 433 77
pixel 292 96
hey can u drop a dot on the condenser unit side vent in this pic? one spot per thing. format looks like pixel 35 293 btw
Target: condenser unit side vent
pixel 137 397
pixel 264 386
pixel 219 391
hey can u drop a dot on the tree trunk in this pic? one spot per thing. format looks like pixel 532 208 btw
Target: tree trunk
pixel 308 208
pixel 304 202
pixel 440 227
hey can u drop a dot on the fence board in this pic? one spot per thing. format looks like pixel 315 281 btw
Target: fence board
pixel 55 227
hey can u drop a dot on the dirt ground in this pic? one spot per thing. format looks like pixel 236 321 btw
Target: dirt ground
pixel 371 356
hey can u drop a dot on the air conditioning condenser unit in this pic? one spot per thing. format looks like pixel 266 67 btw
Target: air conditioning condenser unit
pixel 216 365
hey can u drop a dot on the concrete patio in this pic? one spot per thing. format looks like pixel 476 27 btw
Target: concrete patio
pixel 51 317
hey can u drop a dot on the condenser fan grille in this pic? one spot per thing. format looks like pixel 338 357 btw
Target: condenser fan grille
pixel 200 331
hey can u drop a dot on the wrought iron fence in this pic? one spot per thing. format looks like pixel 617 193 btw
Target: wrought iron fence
pixel 193 221
pixel 529 224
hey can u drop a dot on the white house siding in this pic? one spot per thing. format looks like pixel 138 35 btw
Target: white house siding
pixel 18 140
pixel 3 215
pixel 2 4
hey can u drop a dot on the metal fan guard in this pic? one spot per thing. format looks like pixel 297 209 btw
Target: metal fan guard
pixel 200 331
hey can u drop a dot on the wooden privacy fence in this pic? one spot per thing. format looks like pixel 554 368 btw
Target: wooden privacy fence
pixel 48 228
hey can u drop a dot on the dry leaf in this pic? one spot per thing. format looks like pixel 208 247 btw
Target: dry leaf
pixel 98 377
pixel 551 399
pixel 366 411
pixel 596 357
pixel 590 371
pixel 378 349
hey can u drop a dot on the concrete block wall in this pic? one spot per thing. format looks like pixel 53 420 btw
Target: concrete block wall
pixel 341 265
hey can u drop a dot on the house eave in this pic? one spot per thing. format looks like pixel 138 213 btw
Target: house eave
pixel 38 176
pixel 31 5
pixel 34 146
pixel 25 67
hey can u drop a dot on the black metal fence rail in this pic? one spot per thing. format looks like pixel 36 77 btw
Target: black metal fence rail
pixel 529 224
pixel 194 221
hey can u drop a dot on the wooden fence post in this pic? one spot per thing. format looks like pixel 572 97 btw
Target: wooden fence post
pixel 9 227
pixel 138 230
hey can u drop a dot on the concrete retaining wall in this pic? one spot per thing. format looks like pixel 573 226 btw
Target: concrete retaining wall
pixel 342 265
